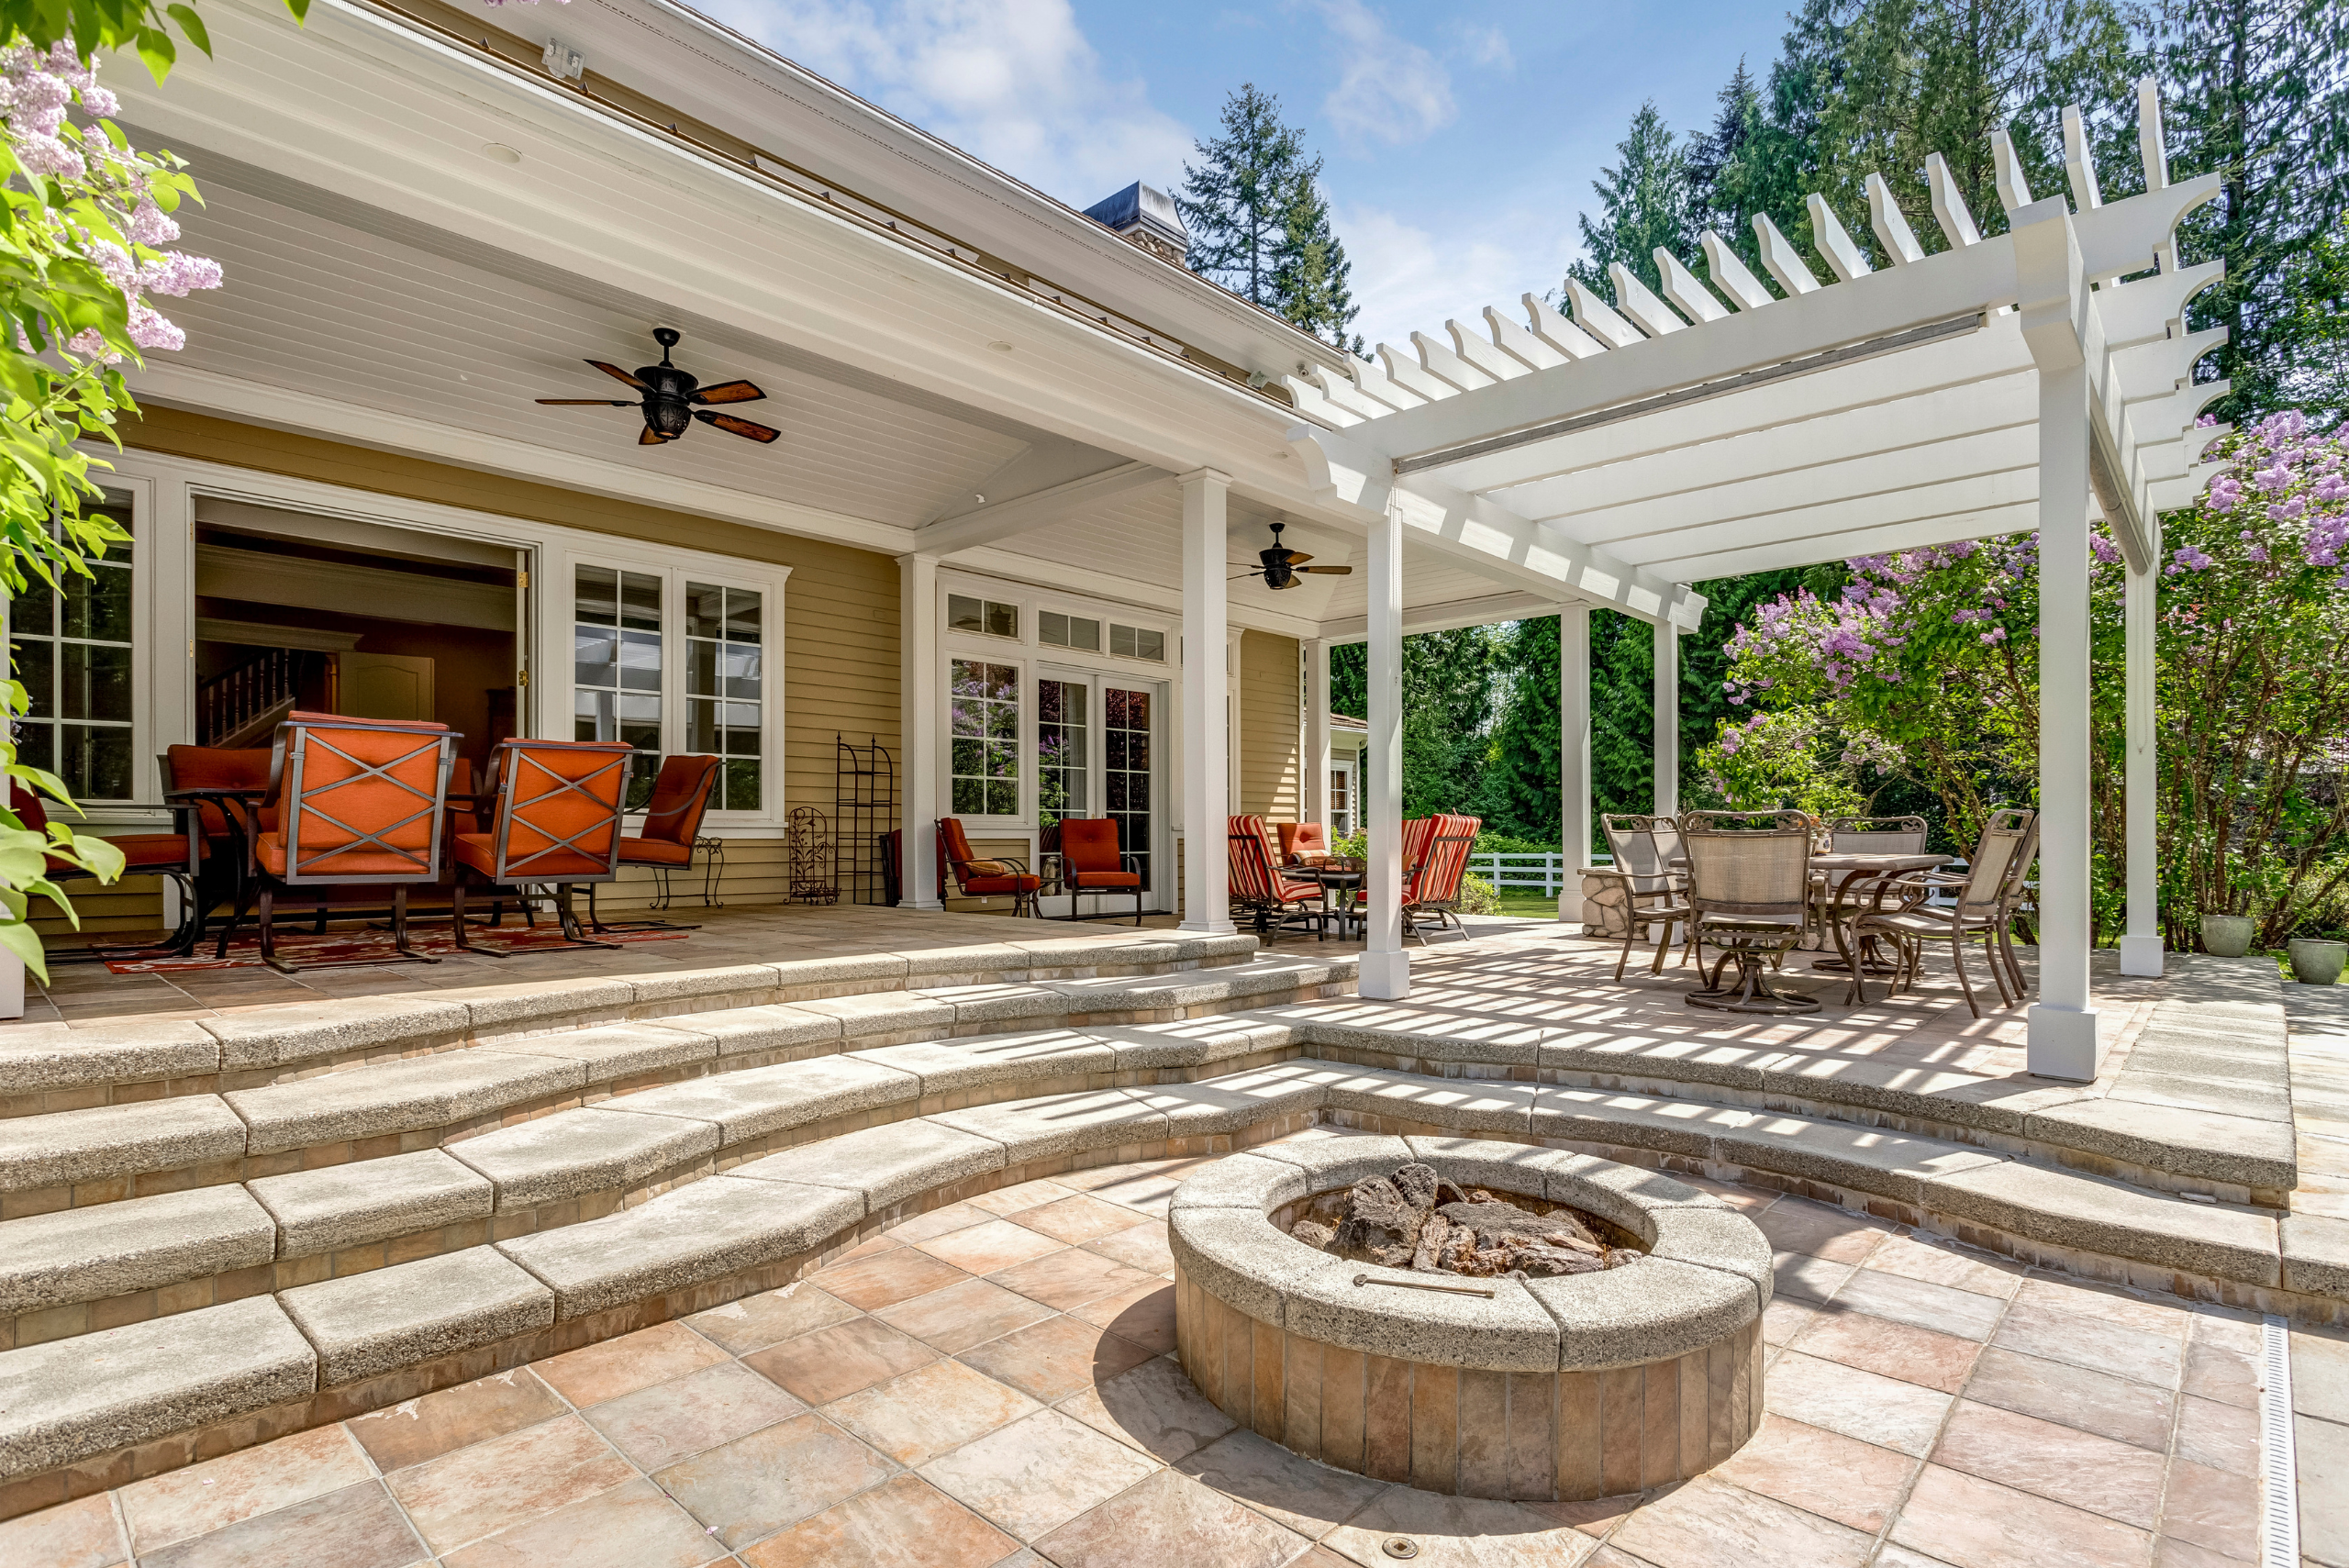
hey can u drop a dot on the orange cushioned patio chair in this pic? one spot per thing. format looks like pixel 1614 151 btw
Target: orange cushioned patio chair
pixel 1304 843
pixel 1435 858
pixel 1260 889
pixel 1092 863
pixel 176 856
pixel 557 821
pixel 980 878
pixel 681 792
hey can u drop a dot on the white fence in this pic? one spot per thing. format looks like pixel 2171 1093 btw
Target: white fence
pixel 1545 871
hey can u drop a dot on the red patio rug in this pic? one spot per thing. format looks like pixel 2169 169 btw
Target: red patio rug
pixel 368 946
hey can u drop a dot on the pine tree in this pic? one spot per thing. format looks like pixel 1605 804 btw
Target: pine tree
pixel 1311 277
pixel 1236 201
pixel 1643 202
pixel 1717 198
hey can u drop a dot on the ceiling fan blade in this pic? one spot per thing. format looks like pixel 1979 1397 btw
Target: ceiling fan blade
pixel 733 427
pixel 1297 558
pixel 585 403
pixel 730 391
pixel 1244 576
pixel 618 374
pixel 652 437
pixel 1329 570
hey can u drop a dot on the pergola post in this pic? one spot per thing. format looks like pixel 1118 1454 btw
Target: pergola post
pixel 2141 946
pixel 1385 967
pixel 1316 783
pixel 1206 867
pixel 1668 719
pixel 1574 753
pixel 919 717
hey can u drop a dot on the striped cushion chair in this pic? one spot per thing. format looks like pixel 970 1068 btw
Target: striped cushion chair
pixel 1435 858
pixel 1258 886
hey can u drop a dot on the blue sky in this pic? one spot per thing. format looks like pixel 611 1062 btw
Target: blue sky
pixel 1461 140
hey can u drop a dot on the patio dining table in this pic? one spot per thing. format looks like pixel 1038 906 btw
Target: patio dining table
pixel 1866 874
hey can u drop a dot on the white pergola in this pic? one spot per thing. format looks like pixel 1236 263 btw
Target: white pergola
pixel 1998 386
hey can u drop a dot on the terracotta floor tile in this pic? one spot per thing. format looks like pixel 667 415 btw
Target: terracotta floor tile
pixel 1896 1350
pixel 984 1249
pixel 1027 1194
pixel 889 1277
pixel 2083 1339
pixel 939 1221
pixel 2115 1479
pixel 1150 1193
pixel 417 1429
pixel 1801 1277
pixel 903 1523
pixel 757 1321
pixel 80 1534
pixel 1309 1499
pixel 631 1525
pixel 1171 1518
pixel 1921 1304
pixel 357 1527
pixel 219 1492
pixel 2213 1508
pixel 1080 1216
pixel 867 1248
pixel 963 1315
pixel 596 1372
pixel 1884 1411
pixel 1797 1225
pixel 662 1424
pixel 1154 1408
pixel 1070 1277
pixel 1821 1472
pixel 2321 1374
pixel 1140 1247
pixel 1141 1313
pixel 756 1485
pixel 1034 1475
pixel 2078 1396
pixel 1973 1523
pixel 831 1363
pixel 464 1496
pixel 929 1411
pixel 1914 1257
pixel 1460 1532
pixel 2225 1436
pixel 1053 1360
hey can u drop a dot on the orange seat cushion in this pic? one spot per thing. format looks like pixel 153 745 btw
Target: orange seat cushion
pixel 982 885
pixel 166 852
pixel 479 850
pixel 390 865
pixel 654 852
pixel 1104 879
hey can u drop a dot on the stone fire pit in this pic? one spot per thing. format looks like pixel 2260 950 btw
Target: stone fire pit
pixel 1640 1372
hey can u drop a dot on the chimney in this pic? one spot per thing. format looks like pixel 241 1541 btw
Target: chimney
pixel 1145 218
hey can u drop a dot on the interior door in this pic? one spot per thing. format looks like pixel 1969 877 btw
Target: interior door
pixel 385 685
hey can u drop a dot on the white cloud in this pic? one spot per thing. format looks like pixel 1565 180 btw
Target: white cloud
pixel 1488 46
pixel 1013 81
pixel 1410 279
pixel 1388 89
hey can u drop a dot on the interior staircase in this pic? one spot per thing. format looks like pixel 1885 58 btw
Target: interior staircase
pixel 216 1232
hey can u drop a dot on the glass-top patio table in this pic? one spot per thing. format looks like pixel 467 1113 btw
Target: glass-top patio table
pixel 1853 882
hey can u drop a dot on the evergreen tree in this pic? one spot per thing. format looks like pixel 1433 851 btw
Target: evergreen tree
pixel 1643 202
pixel 1717 199
pixel 1235 201
pixel 1312 280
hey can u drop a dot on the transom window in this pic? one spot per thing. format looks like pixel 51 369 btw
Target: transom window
pixel 1068 631
pixel 987 616
pixel 1135 642
pixel 983 710
pixel 722 687
pixel 74 652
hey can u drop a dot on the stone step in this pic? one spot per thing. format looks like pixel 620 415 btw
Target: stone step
pixel 311 1352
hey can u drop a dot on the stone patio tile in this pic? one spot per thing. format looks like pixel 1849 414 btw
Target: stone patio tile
pixel 939 1221
pixel 1802 1277
pixel 2321 1450
pixel 929 1411
pixel 1167 1517
pixel 905 1520
pixel 983 1249
pixel 885 1278
pixel 1896 1350
pixel 2321 1374
pixel 426 1427
pixel 2219 1368
pixel 384 1320
pixel 1143 1313
pixel 2104 1476
pixel 1460 1532
pixel 965 1314
pixel 1786 1317
pixel 628 1527
pixel 833 1362
pixel 1973 1523
pixel 665 1423
pixel 79 1534
pixel 1920 1304
pixel 1822 1231
pixel 1053 1360
pixel 1154 1408
pixel 2109 1304
pixel 1036 1474
pixel 492 1486
pixel 2085 1340
pixel 1024 1195
pixel 182 1504
pixel 1079 1217
pixel 1070 1278
pixel 1309 1499
pixel 2100 1402
pixel 1139 1246
pixel 357 1527
pixel 1819 1472
pixel 594 1373
pixel 757 1484
pixel 1880 1410
pixel 755 1322
pixel 64 1147
pixel 1914 1257
pixel 2222 1437
pixel 2217 1510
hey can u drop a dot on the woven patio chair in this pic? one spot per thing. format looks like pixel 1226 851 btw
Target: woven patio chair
pixel 1653 893
pixel 557 808
pixel 1260 889
pixel 1877 835
pixel 1987 895
pixel 1749 887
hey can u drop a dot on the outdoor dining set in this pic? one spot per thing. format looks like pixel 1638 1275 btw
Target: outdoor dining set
pixel 1756 886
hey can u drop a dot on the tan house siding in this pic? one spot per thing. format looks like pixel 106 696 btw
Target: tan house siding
pixel 1268 727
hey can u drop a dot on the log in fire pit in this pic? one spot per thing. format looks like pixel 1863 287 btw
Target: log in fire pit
pixel 1415 1218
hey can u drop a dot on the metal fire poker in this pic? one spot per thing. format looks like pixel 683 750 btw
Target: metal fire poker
pixel 1428 1285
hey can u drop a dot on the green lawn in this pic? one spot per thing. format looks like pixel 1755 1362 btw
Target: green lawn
pixel 1528 904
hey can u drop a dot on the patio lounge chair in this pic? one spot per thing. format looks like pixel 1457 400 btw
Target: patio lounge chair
pixel 1653 893
pixel 1987 897
pixel 1092 863
pixel 983 879
pixel 1749 885
pixel 557 806
pixel 1435 859
pixel 1260 889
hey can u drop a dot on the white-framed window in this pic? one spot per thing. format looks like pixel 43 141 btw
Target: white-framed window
pixel 1057 630
pixel 988 617
pixel 725 674
pixel 1137 642
pixel 983 738
pixel 76 650
pixel 1342 798
pixel 619 622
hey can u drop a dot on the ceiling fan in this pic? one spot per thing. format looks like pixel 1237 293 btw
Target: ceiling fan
pixel 670 395
pixel 1283 565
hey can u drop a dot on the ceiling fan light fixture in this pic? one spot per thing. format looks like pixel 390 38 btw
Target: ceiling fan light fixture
pixel 674 398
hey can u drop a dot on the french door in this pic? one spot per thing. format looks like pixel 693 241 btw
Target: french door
pixel 1098 754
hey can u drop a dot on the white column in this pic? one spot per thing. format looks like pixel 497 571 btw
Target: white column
pixel 1574 753
pixel 1667 720
pixel 1207 780
pixel 1385 967
pixel 2141 948
pixel 2062 1038
pixel 922 715
pixel 1317 733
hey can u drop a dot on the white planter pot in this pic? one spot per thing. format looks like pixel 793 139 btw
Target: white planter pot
pixel 12 986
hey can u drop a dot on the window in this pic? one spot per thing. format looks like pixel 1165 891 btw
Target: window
pixel 1342 800
pixel 616 666
pixel 722 687
pixel 982 711
pixel 1068 631
pixel 74 653
pixel 1063 741
pixel 1126 771
pixel 1133 643
pixel 965 613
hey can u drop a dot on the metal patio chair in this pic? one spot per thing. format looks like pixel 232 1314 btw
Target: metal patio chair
pixel 672 818
pixel 1749 885
pixel 1654 892
pixel 1986 896
pixel 979 878
pixel 1435 859
pixel 1258 887
pixel 1091 861
pixel 557 808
